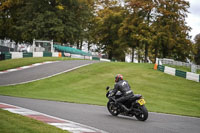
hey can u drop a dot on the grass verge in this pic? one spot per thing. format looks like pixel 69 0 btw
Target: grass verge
pixel 14 123
pixel 14 63
pixel 163 93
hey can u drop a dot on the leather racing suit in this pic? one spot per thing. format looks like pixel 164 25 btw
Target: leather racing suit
pixel 125 89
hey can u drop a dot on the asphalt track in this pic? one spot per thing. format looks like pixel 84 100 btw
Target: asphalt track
pixel 40 72
pixel 98 117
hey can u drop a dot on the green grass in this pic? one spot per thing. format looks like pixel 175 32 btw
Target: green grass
pixel 14 123
pixel 14 63
pixel 163 93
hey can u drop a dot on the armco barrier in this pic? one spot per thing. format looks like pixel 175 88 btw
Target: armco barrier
pixel 88 57
pixel 181 73
pixel 56 54
pixel 77 56
pixel 192 76
pixel 161 68
pixel 170 70
pixel 7 56
pixel 173 71
pixel 12 55
pixel 2 57
pixel 101 59
pixel 95 58
pixel 27 55
pixel 37 54
pixel 47 54
pixel 15 55
pixel 66 54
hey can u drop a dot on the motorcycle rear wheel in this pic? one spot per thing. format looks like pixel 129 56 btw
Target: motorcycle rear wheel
pixel 143 115
pixel 112 108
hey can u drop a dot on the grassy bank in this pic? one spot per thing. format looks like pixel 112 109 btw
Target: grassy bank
pixel 14 123
pixel 14 63
pixel 163 92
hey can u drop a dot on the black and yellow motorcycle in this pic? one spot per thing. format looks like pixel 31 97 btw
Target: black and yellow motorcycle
pixel 135 106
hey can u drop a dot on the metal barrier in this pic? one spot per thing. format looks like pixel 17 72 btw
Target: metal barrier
pixel 174 72
pixel 179 63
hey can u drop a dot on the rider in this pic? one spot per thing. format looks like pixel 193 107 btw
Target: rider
pixel 122 86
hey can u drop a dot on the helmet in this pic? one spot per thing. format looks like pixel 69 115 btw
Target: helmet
pixel 118 77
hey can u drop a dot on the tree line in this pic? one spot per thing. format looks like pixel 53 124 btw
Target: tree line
pixel 151 28
pixel 64 21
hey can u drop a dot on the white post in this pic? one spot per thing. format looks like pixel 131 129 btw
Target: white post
pixel 33 45
pixel 193 68
pixel 157 61
pixel 52 50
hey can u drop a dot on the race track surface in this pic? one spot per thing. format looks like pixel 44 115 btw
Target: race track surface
pixel 40 72
pixel 99 117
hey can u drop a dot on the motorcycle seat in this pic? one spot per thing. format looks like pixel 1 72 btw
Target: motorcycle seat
pixel 135 97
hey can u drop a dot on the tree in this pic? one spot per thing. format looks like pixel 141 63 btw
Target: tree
pixel 144 11
pixel 135 30
pixel 197 49
pixel 108 21
pixel 155 28
pixel 7 9
pixel 64 21
pixel 128 33
pixel 171 30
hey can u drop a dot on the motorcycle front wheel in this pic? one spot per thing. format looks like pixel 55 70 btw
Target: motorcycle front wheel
pixel 143 115
pixel 112 108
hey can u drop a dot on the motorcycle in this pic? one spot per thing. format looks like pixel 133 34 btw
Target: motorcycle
pixel 132 107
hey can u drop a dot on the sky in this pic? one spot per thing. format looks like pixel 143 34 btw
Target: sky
pixel 193 19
